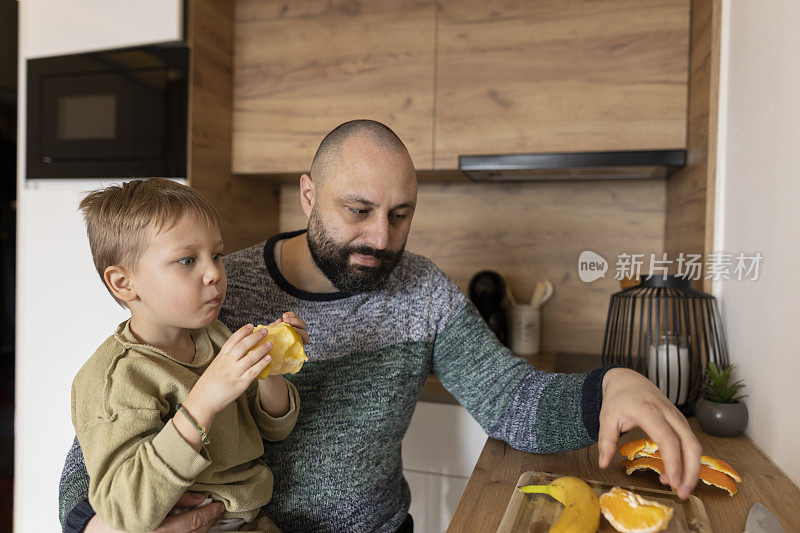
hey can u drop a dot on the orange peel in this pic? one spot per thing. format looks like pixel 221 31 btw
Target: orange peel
pixel 718 464
pixel 707 475
pixel 643 463
pixel 711 462
pixel 641 448
pixel 718 479
pixel 638 446
pixel 630 513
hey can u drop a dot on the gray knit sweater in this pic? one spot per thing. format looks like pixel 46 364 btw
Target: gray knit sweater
pixel 369 357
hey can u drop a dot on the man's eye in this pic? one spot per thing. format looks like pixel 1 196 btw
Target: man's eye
pixel 356 211
pixel 399 216
pixel 217 257
pixel 186 261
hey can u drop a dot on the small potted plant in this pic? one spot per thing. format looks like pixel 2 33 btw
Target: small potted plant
pixel 720 411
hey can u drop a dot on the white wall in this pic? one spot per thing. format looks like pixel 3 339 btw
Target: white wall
pixel 63 311
pixel 759 211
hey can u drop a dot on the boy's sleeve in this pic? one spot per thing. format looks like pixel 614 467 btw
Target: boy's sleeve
pixel 138 466
pixel 274 429
pixel 530 409
pixel 74 509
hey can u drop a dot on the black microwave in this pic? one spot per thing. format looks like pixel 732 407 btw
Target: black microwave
pixel 112 114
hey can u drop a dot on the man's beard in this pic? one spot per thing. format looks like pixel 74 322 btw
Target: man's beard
pixel 333 259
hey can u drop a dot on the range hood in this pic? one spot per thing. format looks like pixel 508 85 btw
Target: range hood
pixel 636 164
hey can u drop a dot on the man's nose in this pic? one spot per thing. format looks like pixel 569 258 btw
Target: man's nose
pixel 377 234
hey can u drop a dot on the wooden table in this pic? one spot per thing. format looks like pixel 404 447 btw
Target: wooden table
pixel 499 467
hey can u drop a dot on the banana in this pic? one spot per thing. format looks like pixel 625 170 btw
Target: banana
pixel 581 512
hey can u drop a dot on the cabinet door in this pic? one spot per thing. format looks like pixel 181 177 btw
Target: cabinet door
pixel 302 68
pixel 434 498
pixel 550 76
pixel 440 450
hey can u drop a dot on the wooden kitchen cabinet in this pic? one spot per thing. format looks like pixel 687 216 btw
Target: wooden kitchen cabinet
pixel 302 68
pixel 551 76
pixel 457 77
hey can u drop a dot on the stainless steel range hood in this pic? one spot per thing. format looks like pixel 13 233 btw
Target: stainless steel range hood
pixel 637 164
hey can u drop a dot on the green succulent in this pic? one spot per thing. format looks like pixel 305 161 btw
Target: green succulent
pixel 717 388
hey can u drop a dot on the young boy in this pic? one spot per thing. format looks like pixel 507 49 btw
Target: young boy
pixel 169 402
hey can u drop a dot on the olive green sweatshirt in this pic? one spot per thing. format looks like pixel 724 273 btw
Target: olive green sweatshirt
pixel 123 400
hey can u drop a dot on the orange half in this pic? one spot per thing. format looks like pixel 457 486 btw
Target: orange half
pixel 630 513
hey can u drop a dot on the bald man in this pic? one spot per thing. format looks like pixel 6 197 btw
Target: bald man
pixel 381 321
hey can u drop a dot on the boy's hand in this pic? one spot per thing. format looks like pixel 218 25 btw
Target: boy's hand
pixel 229 375
pixel 291 318
pixel 274 395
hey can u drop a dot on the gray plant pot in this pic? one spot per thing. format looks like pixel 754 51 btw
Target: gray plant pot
pixel 721 419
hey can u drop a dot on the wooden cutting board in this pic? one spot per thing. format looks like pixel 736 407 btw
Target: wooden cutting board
pixel 535 513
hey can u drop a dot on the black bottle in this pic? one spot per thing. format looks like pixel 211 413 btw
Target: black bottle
pixel 487 290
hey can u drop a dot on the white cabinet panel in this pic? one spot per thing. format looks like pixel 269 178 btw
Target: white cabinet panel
pixel 54 27
pixel 442 439
pixel 440 450
pixel 434 498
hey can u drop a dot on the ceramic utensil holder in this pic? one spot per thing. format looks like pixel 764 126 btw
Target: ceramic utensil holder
pixel 525 329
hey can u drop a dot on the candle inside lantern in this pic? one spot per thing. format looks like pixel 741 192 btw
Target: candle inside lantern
pixel 663 362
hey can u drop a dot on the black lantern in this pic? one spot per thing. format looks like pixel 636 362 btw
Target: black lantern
pixel 667 331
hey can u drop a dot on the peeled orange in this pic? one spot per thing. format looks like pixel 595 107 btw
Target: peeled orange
pixel 287 350
pixel 630 513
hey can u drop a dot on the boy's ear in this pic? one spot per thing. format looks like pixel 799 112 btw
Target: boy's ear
pixel 307 194
pixel 119 281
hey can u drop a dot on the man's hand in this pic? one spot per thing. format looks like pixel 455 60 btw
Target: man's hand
pixel 197 520
pixel 631 400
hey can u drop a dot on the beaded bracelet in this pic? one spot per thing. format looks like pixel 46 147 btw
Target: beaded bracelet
pixel 200 429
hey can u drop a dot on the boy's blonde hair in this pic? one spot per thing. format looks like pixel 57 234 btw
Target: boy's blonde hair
pixel 118 217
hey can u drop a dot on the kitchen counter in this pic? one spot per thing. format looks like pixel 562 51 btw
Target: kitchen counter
pixel 499 467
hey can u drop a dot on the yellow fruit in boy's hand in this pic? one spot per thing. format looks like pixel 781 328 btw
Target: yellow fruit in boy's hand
pixel 287 350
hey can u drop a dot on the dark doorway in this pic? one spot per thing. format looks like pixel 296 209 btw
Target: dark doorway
pixel 8 217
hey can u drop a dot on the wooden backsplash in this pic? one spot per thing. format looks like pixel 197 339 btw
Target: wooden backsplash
pixel 529 232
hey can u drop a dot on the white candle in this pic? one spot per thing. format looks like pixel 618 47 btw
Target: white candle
pixel 668 360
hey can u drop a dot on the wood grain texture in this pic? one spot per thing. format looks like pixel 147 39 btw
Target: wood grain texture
pixel 247 208
pixel 530 232
pixel 691 191
pixel 551 76
pixel 210 37
pixel 499 466
pixel 302 68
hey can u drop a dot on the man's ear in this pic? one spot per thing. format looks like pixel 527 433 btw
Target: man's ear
pixel 120 282
pixel 307 194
